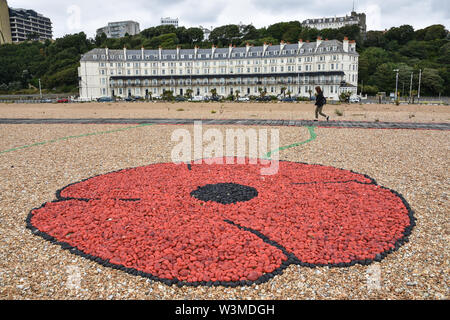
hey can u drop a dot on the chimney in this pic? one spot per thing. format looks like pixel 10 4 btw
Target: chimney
pixel 247 49
pixel 300 44
pixel 142 53
pixel 125 53
pixel 195 52
pixel 345 44
pixel 107 53
pixel 230 48
pixel 160 52
pixel 282 45
pixel 178 52
pixel 318 42
pixel 213 50
pixel 352 45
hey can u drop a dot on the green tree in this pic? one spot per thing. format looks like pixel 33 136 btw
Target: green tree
pixel 402 34
pixel 225 35
pixel 432 83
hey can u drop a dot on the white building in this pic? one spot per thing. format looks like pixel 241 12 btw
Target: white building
pixel 120 29
pixel 169 22
pixel 338 22
pixel 297 67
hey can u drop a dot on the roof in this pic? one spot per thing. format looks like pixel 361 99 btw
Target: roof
pixel 250 52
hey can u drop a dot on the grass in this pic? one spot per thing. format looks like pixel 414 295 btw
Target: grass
pixel 339 113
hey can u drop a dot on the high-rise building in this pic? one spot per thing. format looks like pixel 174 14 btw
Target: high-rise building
pixel 297 68
pixel 120 29
pixel 5 30
pixel 28 24
pixel 169 21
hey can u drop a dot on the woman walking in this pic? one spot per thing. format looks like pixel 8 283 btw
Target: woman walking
pixel 320 101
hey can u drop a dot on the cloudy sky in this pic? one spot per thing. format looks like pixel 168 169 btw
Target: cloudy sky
pixel 70 16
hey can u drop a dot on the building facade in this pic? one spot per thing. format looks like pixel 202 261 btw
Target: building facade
pixel 338 22
pixel 28 24
pixel 169 22
pixel 120 29
pixel 5 30
pixel 296 68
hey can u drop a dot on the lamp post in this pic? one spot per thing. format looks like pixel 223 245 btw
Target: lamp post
pixel 410 88
pixel 40 89
pixel 396 84
pixel 418 92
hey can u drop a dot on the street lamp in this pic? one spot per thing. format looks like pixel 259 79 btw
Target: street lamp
pixel 418 92
pixel 396 83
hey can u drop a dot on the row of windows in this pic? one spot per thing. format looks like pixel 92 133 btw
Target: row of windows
pixel 255 80
pixel 238 70
pixel 219 55
pixel 221 90
pixel 214 63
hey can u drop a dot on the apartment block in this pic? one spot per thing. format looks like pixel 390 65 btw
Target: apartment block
pixel 297 68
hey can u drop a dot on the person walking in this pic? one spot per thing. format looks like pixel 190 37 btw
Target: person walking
pixel 320 101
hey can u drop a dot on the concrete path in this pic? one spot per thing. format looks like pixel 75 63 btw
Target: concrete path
pixel 256 122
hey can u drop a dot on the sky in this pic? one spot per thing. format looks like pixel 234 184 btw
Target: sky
pixel 70 16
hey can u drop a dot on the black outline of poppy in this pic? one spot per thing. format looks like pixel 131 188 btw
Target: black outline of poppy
pixel 291 258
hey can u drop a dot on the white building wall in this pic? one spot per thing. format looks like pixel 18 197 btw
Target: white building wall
pixel 95 76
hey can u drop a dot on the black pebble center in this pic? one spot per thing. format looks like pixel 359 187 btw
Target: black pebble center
pixel 225 193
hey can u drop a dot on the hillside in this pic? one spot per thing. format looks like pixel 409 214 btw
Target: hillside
pixel 404 48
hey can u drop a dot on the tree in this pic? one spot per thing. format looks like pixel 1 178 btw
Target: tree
pixel 168 95
pixel 402 34
pixel 249 32
pixel 225 35
pixel 189 93
pixel 432 83
pixel 384 77
pixel 194 35
pixel 369 60
pixel 433 32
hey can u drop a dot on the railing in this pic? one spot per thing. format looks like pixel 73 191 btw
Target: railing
pixel 233 82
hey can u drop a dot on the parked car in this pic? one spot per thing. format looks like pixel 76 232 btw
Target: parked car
pixel 355 99
pixel 288 99
pixel 180 98
pixel 197 98
pixel 243 99
pixel 64 100
pixel 265 98
pixel 212 98
pixel 105 99
pixel 129 99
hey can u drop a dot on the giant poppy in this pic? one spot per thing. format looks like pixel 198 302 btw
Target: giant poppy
pixel 225 224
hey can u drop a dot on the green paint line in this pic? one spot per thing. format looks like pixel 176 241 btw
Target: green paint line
pixel 74 137
pixel 313 137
